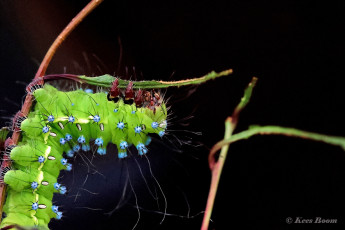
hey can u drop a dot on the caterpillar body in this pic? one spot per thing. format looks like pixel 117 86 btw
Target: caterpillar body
pixel 60 125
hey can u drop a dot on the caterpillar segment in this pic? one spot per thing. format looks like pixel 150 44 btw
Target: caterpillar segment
pixel 59 126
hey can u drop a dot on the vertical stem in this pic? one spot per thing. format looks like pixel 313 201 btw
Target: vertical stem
pixel 217 167
pixel 216 172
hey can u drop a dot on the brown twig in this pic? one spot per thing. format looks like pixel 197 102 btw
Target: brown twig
pixel 217 166
pixel 41 71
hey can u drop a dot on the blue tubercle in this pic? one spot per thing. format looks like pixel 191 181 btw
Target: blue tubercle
pixel 123 145
pixel 88 91
pixel 85 148
pixel 69 167
pixel 122 155
pixel 81 139
pixel 45 129
pixel 154 125
pixel 133 112
pixel 41 159
pixel 57 186
pixel 51 118
pixel 141 149
pixel 148 140
pixel 161 133
pixel 58 215
pixel 34 206
pixel 115 110
pixel 70 153
pixel 63 161
pixel 137 129
pixel 71 119
pixel 62 141
pixel 63 190
pixel 99 141
pixel 120 125
pixel 101 151
pixel 34 185
pixel 96 118
pixel 76 148
pixel 55 208
pixel 68 137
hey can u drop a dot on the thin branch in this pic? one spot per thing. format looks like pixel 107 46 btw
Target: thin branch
pixel 277 130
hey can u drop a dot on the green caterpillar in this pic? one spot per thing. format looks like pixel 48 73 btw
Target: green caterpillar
pixel 66 122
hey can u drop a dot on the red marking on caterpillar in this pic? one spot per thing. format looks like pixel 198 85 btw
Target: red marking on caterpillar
pixel 129 93
pixel 114 91
pixel 139 98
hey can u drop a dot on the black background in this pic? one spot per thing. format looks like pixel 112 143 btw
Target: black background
pixel 295 48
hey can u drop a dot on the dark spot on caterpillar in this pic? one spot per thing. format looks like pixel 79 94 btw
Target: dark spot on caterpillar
pixel 79 127
pixel 129 101
pixel 61 125
pixel 114 99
